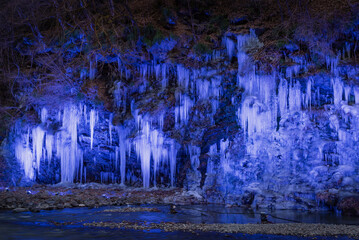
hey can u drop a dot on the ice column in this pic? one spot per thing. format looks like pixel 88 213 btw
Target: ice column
pixel 183 76
pixel 283 96
pixel 356 95
pixel 182 111
pixel 123 146
pixel 69 152
pixel 24 155
pixel 48 145
pixel 338 90
pixel 152 144
pixel 37 141
pixel 173 159
pixel 92 125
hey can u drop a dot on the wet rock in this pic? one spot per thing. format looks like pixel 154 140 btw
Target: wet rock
pixel 74 203
pixel 328 198
pixel 44 206
pixel 292 47
pixel 10 200
pixel 264 218
pixel 240 20
pixel 34 209
pixel 90 203
pixel 19 210
pixel 173 209
pixel 259 31
pixel 133 209
pixel 229 205
pixel 247 198
pixel 349 206
pixel 60 206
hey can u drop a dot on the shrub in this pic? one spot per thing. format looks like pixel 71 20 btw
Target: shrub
pixel 201 49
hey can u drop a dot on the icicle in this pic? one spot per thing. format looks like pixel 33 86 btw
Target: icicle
pixel 43 115
pixel 143 149
pixel 119 64
pixel 107 177
pixel 157 68
pixel 48 145
pixel 308 96
pixel 242 57
pixel 120 96
pixel 92 124
pixel 110 127
pixel 194 153
pixel 161 70
pixel 347 90
pixel 292 71
pixel 254 116
pixel 161 119
pixel 151 143
pixel 37 143
pixel 202 87
pixel 332 64
pixel 92 70
pixel 347 48
pixel 318 96
pixel 156 140
pixel 230 46
pixel 182 77
pixel 283 96
pixel 182 111
pixel 173 159
pixel 210 164
pixel 356 95
pixel 294 97
pixel 85 114
pixel 143 70
pixel 123 146
pixel 224 161
pixel 24 155
pixel 338 90
pixel 164 75
pixel 70 154
pixel 116 157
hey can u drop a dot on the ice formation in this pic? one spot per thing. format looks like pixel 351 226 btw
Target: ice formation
pixel 277 137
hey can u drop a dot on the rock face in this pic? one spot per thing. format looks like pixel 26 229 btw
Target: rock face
pixel 225 130
pixel 349 206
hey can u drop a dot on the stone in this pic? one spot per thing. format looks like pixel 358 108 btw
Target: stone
pixel 260 31
pixel 19 210
pixel 240 20
pixel 34 209
pixel 10 200
pixel 67 205
pixel 327 198
pixel 247 198
pixel 349 206
pixel 292 47
pixel 60 206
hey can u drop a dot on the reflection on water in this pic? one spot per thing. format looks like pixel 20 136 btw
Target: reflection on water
pixel 49 224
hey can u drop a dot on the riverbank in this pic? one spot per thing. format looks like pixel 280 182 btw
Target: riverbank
pixel 41 197
pixel 293 229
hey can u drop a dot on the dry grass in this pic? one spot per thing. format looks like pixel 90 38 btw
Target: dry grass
pixel 108 25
